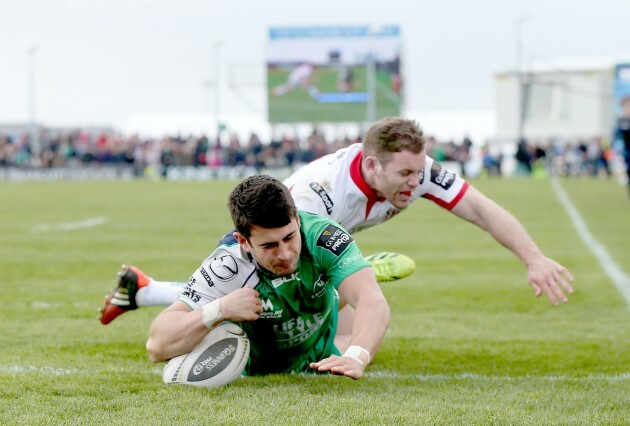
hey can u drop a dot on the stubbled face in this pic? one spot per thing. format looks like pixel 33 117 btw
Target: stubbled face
pixel 274 249
pixel 396 178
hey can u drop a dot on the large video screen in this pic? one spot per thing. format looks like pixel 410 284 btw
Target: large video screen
pixel 333 74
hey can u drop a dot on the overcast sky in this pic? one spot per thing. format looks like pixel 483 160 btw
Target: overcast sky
pixel 103 62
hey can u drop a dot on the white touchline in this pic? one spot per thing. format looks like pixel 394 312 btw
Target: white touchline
pixel 25 369
pixel 71 226
pixel 484 378
pixel 614 271
pixel 31 369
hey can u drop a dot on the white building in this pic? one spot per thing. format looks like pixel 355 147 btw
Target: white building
pixel 568 99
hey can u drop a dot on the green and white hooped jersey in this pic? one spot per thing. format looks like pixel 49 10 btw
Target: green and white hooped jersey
pixel 299 318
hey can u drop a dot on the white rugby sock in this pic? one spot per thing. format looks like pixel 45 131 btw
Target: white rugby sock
pixel 159 293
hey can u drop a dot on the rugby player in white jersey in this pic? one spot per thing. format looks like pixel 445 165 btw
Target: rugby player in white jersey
pixel 366 184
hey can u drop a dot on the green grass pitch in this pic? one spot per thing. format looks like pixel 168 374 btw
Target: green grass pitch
pixel 468 343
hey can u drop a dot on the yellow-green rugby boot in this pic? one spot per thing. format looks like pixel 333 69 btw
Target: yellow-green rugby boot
pixel 389 266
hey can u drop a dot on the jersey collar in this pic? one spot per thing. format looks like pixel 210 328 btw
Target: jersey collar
pixel 357 178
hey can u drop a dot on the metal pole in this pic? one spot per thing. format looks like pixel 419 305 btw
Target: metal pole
pixel 371 76
pixel 371 83
pixel 217 86
pixel 31 101
pixel 207 86
pixel 521 76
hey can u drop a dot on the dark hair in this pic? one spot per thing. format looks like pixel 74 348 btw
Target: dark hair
pixel 393 134
pixel 262 201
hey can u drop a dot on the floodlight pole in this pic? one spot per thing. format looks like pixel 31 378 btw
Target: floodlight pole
pixel 371 78
pixel 217 86
pixel 207 87
pixel 371 86
pixel 31 100
pixel 520 65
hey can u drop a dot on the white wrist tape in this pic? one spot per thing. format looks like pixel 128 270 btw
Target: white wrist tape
pixel 211 313
pixel 354 351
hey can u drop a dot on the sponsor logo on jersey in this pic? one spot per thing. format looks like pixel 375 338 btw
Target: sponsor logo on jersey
pixel 421 176
pixel 206 276
pixel 319 190
pixel 277 282
pixel 347 260
pixel 191 294
pixel 337 157
pixel 334 239
pixel 266 305
pixel 296 330
pixel 268 310
pixel 441 176
pixel 319 288
pixel 224 267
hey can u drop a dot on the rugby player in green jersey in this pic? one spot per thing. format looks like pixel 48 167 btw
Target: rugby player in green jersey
pixel 280 276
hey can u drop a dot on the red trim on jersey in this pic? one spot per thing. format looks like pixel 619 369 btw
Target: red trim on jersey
pixel 448 206
pixel 357 177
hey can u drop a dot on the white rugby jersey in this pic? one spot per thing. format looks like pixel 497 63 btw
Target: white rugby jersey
pixel 334 187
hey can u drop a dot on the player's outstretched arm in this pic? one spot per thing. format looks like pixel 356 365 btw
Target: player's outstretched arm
pixel 371 320
pixel 545 275
pixel 175 331
pixel 178 330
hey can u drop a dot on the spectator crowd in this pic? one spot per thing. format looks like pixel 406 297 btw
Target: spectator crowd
pixel 85 149
pixel 587 157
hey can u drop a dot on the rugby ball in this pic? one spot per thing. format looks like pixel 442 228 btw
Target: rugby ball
pixel 218 360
